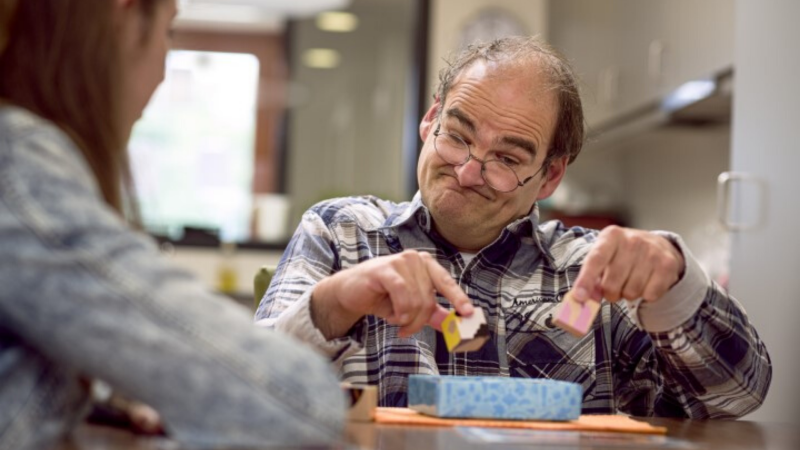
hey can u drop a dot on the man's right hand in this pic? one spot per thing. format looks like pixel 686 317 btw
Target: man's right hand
pixel 399 288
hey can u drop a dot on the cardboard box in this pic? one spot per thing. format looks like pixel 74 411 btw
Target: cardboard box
pixel 494 397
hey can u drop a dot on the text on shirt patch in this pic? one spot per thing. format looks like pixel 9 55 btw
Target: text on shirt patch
pixel 535 299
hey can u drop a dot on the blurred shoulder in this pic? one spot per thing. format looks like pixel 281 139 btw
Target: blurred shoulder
pixel 18 123
pixel 27 139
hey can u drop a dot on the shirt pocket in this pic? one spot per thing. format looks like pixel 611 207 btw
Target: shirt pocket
pixel 537 348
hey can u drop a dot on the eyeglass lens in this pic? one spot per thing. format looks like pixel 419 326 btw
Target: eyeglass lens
pixel 496 174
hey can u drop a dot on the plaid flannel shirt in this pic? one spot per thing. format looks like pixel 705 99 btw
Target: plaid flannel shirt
pixel 692 354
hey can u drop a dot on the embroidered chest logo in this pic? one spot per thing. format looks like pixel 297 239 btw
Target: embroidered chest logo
pixel 523 302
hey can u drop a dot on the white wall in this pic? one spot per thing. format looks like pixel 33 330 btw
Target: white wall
pixel 449 16
pixel 593 183
pixel 346 124
pixel 346 127
pixel 662 178
pixel 670 184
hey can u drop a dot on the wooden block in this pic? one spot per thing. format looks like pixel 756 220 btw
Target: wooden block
pixel 576 317
pixel 465 334
pixel 362 401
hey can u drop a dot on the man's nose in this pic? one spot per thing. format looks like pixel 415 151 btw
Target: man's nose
pixel 469 174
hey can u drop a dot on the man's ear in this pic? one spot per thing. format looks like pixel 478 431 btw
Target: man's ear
pixel 429 120
pixel 555 173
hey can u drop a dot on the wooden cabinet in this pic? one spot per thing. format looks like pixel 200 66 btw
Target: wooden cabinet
pixel 630 53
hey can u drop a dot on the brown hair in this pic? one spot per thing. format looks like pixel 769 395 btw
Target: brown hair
pixel 7 9
pixel 63 62
pixel 569 131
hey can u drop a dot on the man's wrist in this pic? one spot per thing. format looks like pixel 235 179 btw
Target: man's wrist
pixel 682 300
pixel 326 312
pixel 677 247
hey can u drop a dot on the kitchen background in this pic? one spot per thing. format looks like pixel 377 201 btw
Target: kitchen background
pixel 270 106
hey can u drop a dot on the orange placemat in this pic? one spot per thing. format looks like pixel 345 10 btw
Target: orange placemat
pixel 622 424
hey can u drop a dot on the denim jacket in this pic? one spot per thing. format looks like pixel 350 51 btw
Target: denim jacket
pixel 82 296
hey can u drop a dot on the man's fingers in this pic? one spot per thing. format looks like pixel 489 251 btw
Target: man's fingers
pixel 430 278
pixel 408 287
pixel 637 280
pixel 384 309
pixel 657 285
pixel 596 262
pixel 422 286
pixel 439 314
pixel 445 285
pixel 655 289
pixel 617 274
pixel 422 315
pixel 400 295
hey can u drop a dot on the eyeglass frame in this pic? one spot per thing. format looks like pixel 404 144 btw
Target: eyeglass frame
pixel 438 132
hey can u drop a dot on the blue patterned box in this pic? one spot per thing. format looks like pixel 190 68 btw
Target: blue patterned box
pixel 494 397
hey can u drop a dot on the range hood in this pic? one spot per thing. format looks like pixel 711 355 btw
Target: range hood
pixel 696 103
pixel 699 102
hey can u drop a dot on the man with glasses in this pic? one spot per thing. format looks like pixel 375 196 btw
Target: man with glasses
pixel 368 282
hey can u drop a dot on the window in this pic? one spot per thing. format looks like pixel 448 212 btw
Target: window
pixel 192 152
pixel 244 123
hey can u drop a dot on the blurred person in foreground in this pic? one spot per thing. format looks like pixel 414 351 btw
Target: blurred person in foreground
pixel 362 277
pixel 83 296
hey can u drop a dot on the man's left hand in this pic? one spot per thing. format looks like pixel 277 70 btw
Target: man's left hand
pixel 625 263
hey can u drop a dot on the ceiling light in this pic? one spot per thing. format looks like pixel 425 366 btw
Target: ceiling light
pixel 233 17
pixel 287 8
pixel 249 15
pixel 337 22
pixel 321 58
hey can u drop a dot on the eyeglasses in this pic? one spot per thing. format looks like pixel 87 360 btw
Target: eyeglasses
pixel 497 174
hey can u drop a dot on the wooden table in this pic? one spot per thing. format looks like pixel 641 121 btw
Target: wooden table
pixel 727 435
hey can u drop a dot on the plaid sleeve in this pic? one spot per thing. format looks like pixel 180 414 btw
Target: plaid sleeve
pixel 310 256
pixel 711 366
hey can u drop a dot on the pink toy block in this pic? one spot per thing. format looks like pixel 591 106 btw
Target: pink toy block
pixel 576 317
